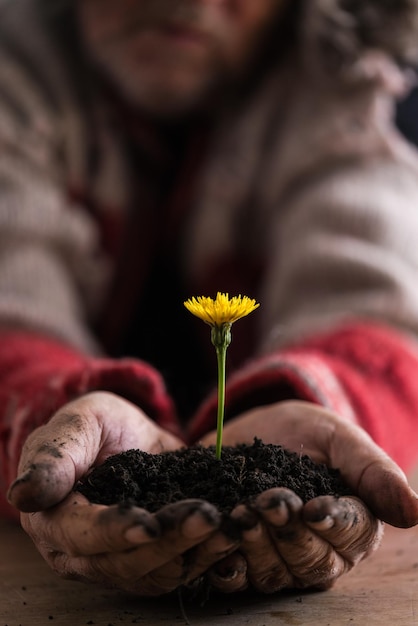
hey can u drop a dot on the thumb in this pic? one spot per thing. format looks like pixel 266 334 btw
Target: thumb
pixel 389 495
pixel 53 459
pixel 370 471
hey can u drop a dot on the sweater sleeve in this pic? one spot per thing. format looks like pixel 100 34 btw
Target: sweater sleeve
pixel 39 374
pixel 339 315
pixel 365 372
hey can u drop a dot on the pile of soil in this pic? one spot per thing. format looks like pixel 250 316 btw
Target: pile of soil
pixel 152 480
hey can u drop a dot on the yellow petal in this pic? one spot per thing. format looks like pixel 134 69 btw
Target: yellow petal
pixel 221 310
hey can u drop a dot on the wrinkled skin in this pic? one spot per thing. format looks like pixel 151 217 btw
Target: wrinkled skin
pixel 288 544
pixel 278 543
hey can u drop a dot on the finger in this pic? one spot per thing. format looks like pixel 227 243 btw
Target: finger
pixel 162 580
pixel 77 527
pixel 346 524
pixel 193 563
pixel 182 525
pixel 385 489
pixel 310 559
pixel 266 570
pixel 230 574
pixel 374 476
pixel 218 546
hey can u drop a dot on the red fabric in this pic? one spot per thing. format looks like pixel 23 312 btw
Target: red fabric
pixel 364 371
pixel 38 375
pixel 377 367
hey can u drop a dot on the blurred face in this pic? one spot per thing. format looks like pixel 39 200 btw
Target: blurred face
pixel 166 55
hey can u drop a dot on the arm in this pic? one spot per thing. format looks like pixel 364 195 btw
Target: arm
pixel 53 271
pixel 325 343
pixel 338 331
pixel 38 375
pixel 338 207
pixel 363 371
pixel 51 428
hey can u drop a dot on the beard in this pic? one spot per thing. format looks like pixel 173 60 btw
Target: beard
pixel 156 80
pixel 164 56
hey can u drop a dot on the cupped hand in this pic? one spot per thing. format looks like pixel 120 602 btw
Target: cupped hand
pixel 120 546
pixel 82 434
pixel 286 543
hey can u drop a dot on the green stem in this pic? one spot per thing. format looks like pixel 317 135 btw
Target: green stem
pixel 221 356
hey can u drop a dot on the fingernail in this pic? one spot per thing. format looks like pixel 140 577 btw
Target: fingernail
pixel 272 502
pixel 200 522
pixel 322 511
pixel 23 478
pixel 325 523
pixel 275 510
pixel 140 533
pixel 235 525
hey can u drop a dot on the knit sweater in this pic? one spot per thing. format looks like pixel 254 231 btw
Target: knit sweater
pixel 303 196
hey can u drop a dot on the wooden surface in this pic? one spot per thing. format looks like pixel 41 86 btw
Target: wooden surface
pixel 383 590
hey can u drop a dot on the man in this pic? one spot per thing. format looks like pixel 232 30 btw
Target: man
pixel 153 150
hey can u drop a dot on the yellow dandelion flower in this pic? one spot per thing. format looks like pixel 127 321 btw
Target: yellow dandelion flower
pixel 220 314
pixel 221 310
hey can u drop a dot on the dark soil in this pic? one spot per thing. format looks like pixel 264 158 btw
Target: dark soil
pixel 151 481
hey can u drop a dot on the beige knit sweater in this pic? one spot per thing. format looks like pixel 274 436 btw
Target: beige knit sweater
pixel 311 175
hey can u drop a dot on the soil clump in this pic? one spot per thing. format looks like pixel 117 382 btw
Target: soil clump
pixel 151 481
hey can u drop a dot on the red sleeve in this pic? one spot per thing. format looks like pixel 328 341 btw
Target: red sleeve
pixel 365 372
pixel 39 374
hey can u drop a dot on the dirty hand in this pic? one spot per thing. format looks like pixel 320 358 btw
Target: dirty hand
pixel 125 547
pixel 290 544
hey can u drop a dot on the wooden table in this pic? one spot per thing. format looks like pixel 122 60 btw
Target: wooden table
pixel 383 590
